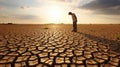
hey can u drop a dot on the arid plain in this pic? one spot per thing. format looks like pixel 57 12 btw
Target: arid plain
pixel 55 45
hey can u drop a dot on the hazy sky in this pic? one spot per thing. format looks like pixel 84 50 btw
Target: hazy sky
pixel 56 11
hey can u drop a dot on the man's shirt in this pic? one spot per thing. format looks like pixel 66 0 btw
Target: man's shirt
pixel 74 18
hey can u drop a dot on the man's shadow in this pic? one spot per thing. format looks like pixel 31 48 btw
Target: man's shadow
pixel 114 45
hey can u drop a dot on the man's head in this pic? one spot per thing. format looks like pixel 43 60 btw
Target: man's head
pixel 69 13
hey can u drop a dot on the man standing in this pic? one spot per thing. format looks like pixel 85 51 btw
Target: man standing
pixel 74 18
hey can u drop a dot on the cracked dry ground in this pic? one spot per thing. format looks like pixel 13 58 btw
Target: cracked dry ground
pixel 53 48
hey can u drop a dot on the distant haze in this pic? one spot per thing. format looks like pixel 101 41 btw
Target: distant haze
pixel 56 11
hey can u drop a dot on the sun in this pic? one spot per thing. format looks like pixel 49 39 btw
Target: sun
pixel 55 14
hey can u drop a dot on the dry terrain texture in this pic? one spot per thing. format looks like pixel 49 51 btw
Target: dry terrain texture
pixel 57 46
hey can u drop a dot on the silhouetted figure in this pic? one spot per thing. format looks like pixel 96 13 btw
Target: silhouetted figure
pixel 74 18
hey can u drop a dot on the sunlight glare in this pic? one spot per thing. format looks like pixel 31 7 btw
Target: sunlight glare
pixel 55 14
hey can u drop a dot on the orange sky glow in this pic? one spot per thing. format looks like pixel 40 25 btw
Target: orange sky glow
pixel 56 11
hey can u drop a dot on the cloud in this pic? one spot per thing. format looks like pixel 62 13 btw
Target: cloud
pixel 1 7
pixel 24 7
pixel 21 17
pixel 18 3
pixel 25 17
pixel 111 7
pixel 5 17
pixel 70 1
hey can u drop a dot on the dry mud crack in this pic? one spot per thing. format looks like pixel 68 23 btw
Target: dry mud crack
pixel 54 48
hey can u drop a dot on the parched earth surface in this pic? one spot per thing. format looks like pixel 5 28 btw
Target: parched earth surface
pixel 57 46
